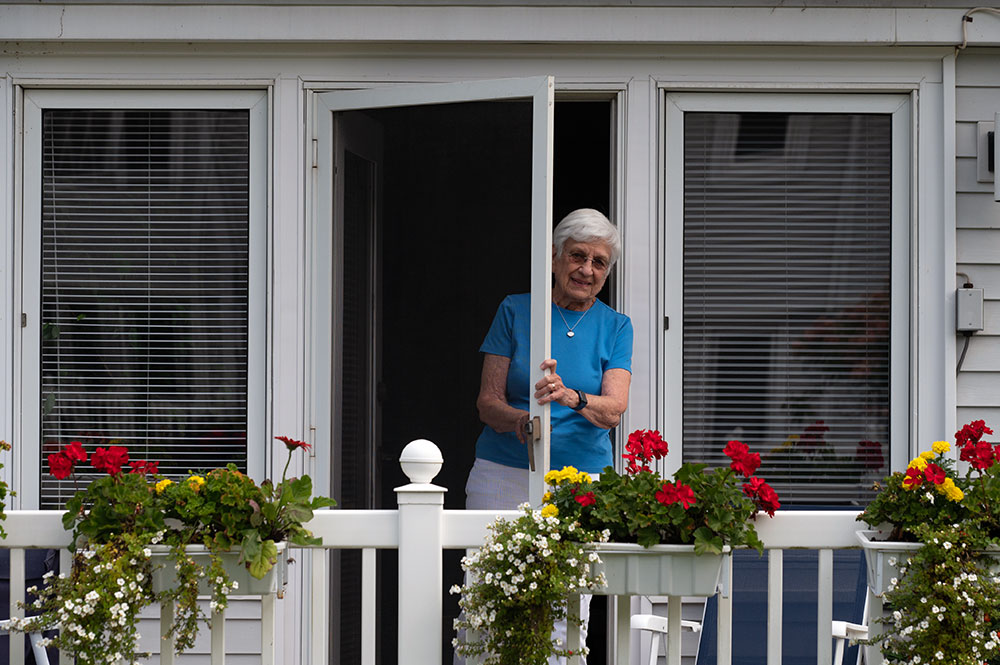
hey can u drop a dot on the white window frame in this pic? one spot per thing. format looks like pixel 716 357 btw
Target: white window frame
pixel 27 278
pixel 900 106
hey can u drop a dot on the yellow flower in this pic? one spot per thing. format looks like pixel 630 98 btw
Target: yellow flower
pixel 583 477
pixel 941 447
pixel 196 482
pixel 567 473
pixel 162 485
pixel 918 463
pixel 550 511
pixel 546 497
pixel 950 490
pixel 928 454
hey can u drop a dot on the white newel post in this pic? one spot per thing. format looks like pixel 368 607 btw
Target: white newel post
pixel 421 505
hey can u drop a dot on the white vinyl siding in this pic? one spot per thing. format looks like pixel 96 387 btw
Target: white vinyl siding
pixel 144 223
pixel 977 238
pixel 788 252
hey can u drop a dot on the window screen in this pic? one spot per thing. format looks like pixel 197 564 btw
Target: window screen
pixel 787 220
pixel 145 223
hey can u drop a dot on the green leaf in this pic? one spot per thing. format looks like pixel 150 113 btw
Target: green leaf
pixel 265 559
pixel 707 542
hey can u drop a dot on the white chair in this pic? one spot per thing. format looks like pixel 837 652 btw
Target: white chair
pixel 844 631
pixel 657 626
pixel 41 656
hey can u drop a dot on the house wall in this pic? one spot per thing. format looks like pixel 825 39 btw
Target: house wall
pixel 636 54
pixel 978 233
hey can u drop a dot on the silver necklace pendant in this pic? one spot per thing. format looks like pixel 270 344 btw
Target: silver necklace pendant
pixel 569 333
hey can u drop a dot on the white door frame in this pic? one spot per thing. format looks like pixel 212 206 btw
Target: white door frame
pixel 540 90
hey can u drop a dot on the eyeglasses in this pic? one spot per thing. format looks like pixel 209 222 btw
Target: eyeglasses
pixel 599 264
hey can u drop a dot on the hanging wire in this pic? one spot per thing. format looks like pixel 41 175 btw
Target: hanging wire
pixel 967 19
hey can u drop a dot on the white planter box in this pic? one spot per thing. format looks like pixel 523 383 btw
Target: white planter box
pixel 883 559
pixel 165 577
pixel 660 570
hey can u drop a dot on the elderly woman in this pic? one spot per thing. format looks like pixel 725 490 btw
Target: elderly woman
pixel 587 378
pixel 588 375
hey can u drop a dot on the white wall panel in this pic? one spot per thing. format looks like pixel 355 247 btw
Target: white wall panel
pixel 978 246
pixel 966 177
pixel 977 389
pixel 977 211
pixel 977 103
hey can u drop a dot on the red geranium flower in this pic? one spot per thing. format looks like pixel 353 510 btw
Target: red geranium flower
pixel 586 499
pixel 979 454
pixel 643 446
pixel 972 433
pixel 292 444
pixel 60 466
pixel 75 452
pixel 914 478
pixel 744 461
pixel 934 473
pixel 144 467
pixel 111 460
pixel 763 495
pixel 677 493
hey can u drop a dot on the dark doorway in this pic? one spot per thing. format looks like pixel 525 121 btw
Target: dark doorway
pixel 453 239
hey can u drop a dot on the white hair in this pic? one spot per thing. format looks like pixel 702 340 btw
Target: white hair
pixel 587 225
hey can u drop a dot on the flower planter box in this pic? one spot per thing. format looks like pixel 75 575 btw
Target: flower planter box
pixel 660 570
pixel 165 577
pixel 884 558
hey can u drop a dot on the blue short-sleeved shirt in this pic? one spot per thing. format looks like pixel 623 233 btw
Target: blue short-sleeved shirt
pixel 601 341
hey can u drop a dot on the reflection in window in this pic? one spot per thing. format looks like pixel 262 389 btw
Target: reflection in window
pixel 787 221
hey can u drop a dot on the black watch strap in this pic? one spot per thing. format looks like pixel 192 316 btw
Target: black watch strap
pixel 583 401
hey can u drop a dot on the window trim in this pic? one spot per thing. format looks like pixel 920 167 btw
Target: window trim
pixel 27 287
pixel 901 107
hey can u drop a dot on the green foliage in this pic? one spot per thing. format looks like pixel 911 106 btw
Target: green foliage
pixel 117 516
pixel 4 492
pixel 946 604
pixel 627 505
pixel 517 585
pixel 906 509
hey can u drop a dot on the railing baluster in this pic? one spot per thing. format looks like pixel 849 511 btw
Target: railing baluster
pixel 16 595
pixel 218 628
pixel 166 642
pixel 268 609
pixel 320 632
pixel 775 598
pixel 368 606
pixel 674 630
pixel 725 614
pixel 824 606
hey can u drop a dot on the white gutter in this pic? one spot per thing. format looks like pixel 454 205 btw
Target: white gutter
pixel 456 24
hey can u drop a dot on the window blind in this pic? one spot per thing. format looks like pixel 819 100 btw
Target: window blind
pixel 787 254
pixel 145 229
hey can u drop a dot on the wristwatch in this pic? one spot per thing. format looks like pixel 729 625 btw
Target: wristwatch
pixel 583 401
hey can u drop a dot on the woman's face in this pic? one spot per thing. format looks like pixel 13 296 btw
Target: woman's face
pixel 580 272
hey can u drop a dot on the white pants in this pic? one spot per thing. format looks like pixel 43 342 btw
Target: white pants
pixel 493 486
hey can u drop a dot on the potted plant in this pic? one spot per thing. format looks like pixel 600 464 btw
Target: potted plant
pixel 140 538
pixel 932 554
pixel 618 534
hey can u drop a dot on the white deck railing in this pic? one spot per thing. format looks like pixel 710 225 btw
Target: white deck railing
pixel 421 530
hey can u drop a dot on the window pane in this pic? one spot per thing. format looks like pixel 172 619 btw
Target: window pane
pixel 144 286
pixel 787 220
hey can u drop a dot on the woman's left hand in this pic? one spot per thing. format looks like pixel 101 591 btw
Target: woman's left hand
pixel 551 388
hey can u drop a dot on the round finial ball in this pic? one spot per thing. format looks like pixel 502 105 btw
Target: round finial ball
pixel 421 460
